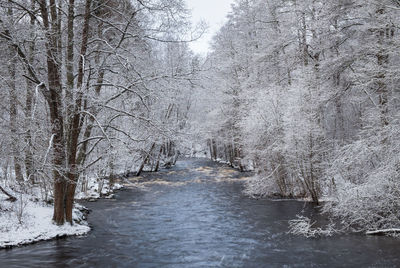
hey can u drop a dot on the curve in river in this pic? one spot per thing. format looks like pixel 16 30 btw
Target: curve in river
pixel 195 215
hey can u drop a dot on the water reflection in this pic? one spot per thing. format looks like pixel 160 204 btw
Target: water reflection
pixel 195 215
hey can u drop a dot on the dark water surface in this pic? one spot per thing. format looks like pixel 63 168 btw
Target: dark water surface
pixel 195 215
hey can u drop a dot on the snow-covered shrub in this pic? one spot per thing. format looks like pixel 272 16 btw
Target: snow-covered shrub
pixel 261 186
pixel 303 226
pixel 289 145
pixel 366 174
pixel 19 208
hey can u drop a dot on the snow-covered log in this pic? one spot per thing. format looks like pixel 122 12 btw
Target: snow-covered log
pixel 384 231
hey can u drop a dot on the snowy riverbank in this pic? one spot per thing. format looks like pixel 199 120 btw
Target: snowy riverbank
pixel 25 222
pixel 92 188
pixel 29 220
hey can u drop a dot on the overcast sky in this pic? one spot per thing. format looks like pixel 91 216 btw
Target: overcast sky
pixel 213 12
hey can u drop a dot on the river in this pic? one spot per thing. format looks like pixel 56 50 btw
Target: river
pixel 195 215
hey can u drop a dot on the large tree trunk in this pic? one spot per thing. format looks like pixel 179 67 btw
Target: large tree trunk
pixel 76 126
pixel 55 105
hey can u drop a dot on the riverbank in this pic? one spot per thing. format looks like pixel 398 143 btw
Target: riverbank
pixel 25 221
pixel 29 219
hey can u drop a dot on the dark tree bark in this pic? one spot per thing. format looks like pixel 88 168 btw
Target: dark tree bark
pixel 83 153
pixel 10 197
pixel 158 158
pixel 145 159
pixel 29 163
pixel 76 127
pixel 16 155
pixel 55 105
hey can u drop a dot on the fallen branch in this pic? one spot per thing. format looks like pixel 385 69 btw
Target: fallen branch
pixel 10 197
pixel 384 231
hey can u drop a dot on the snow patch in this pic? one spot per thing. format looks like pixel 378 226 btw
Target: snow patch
pixel 94 188
pixel 34 224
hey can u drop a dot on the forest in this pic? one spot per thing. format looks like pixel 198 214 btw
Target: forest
pixel 305 94
pixel 308 97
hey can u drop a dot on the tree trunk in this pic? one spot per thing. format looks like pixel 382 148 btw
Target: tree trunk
pixel 210 149
pixel 75 126
pixel 13 124
pixel 10 197
pixel 158 158
pixel 214 149
pixel 304 44
pixel 29 163
pixel 383 59
pixel 145 159
pixel 13 115
pixel 55 105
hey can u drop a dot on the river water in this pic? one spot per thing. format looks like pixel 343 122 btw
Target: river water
pixel 195 215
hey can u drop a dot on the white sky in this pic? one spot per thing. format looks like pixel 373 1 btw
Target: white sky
pixel 213 12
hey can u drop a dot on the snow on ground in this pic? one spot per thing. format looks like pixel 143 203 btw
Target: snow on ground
pixel 28 220
pixel 91 188
pixel 25 221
